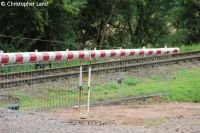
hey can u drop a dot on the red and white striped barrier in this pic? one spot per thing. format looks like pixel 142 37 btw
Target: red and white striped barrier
pixel 25 57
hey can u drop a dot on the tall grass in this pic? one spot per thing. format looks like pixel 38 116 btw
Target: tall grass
pixel 192 47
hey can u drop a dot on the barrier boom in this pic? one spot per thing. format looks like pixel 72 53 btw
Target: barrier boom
pixel 25 57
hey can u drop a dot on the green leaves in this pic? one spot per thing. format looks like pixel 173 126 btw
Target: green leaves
pixel 73 6
pixel 105 23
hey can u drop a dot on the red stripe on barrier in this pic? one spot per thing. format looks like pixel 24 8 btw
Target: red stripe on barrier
pixel 45 56
pixel 5 58
pixel 103 53
pixel 93 54
pixel 19 57
pixel 32 57
pixel 150 52
pixel 70 55
pixel 123 53
pixel 81 55
pixel 112 53
pixel 175 51
pixel 58 56
pixel 141 52
pixel 132 52
pixel 159 51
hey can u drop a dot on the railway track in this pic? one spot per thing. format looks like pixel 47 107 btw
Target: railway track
pixel 69 72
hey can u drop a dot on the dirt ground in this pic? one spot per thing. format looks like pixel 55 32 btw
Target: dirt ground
pixel 126 117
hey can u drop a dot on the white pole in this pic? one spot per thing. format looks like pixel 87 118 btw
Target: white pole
pixel 80 86
pixel 1 51
pixel 80 76
pixel 89 85
pixel 36 51
pixel 144 49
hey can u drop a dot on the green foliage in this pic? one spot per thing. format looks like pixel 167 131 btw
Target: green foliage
pixel 184 19
pixel 21 22
pixel 132 81
pixel 78 24
pixel 192 47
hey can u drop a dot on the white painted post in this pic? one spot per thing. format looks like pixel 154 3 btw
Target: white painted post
pixel 36 51
pixel 122 82
pixel 89 84
pixel 1 51
pixel 165 48
pixel 67 50
pixel 120 58
pixel 80 85
pixel 144 49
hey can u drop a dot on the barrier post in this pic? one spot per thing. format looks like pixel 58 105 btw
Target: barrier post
pixel 1 65
pixel 144 49
pixel 89 83
pixel 36 51
pixel 122 82
pixel 80 85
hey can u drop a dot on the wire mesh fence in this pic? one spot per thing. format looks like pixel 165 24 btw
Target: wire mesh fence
pixel 25 87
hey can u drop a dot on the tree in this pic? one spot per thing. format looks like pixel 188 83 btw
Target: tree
pixel 95 19
pixel 185 22
pixel 62 22
pixel 17 23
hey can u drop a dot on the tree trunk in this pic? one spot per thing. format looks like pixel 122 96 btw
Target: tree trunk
pixel 103 33
pixel 131 31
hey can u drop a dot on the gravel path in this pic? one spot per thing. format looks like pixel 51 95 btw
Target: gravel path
pixel 126 118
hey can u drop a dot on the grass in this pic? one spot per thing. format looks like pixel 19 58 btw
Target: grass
pixel 186 86
pixel 183 85
pixel 53 98
pixel 155 122
pixel 193 47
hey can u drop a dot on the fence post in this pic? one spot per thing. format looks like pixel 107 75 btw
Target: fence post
pixel 144 49
pixel 122 82
pixel 80 85
pixel 36 51
pixel 1 65
pixel 89 83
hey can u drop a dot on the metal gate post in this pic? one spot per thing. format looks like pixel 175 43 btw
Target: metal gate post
pixel 89 83
pixel 1 51
pixel 122 83
pixel 80 85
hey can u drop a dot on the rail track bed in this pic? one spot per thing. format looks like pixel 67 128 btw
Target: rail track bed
pixel 39 76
